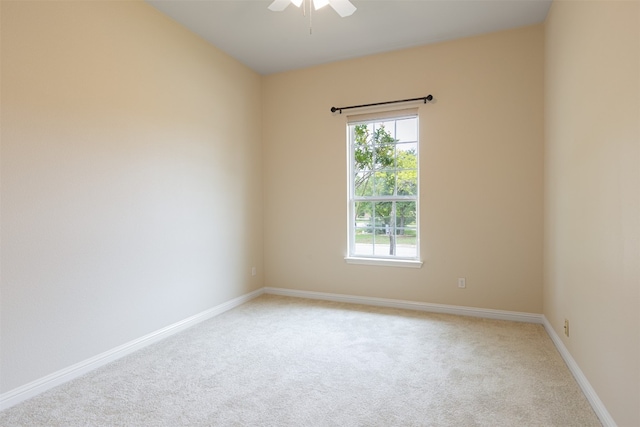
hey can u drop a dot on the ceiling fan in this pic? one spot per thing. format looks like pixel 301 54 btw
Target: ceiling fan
pixel 343 7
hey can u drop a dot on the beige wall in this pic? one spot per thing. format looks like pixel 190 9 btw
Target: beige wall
pixel 131 167
pixel 481 172
pixel 592 203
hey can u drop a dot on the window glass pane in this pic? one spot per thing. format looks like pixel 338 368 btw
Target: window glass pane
pixel 381 135
pixel 407 182
pixel 363 151
pixel 363 184
pixel 389 126
pixel 363 158
pixel 407 178
pixel 406 246
pixel 364 241
pixel 385 183
pixel 363 238
pixel 385 155
pixel 363 214
pixel 407 147
pixel 382 247
pixel 405 217
pixel 364 244
pixel 364 162
pixel 382 214
pixel 407 130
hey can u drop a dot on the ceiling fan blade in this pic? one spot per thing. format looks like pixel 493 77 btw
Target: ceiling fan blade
pixel 319 4
pixel 279 5
pixel 343 7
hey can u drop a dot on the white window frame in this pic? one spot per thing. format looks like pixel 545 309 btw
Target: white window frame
pixel 383 260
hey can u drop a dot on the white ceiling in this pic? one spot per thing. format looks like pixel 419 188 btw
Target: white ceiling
pixel 271 42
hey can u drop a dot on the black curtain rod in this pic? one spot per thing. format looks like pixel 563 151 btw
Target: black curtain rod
pixel 423 98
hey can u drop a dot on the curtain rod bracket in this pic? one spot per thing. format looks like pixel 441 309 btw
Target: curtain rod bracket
pixel 422 98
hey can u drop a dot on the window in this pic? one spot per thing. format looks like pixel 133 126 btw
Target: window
pixel 383 188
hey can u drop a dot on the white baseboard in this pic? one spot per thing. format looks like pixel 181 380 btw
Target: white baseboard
pixel 43 384
pixel 589 392
pixel 410 305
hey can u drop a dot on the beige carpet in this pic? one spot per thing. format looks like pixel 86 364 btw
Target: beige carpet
pixel 279 361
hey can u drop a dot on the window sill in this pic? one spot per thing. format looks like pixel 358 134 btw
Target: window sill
pixel 405 263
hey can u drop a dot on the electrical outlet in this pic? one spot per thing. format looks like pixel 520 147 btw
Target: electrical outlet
pixel 462 282
pixel 253 271
pixel 566 327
